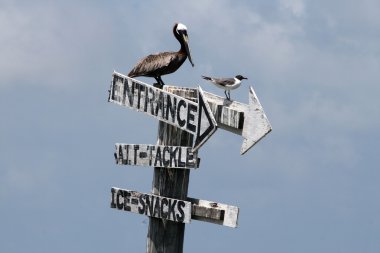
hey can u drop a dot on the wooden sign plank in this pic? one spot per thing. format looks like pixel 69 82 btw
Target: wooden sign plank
pixel 156 155
pixel 213 212
pixel 249 121
pixel 151 205
pixel 193 117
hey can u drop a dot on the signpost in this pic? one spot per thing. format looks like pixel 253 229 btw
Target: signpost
pixel 187 119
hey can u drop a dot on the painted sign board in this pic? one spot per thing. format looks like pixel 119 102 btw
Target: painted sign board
pixel 249 121
pixel 151 205
pixel 213 212
pixel 156 155
pixel 193 117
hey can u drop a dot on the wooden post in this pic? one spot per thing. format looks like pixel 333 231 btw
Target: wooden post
pixel 165 236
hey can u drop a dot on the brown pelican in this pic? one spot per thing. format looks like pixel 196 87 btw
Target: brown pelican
pixel 226 84
pixel 157 65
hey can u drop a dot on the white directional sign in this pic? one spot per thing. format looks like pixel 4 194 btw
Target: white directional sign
pixel 156 155
pixel 151 205
pixel 213 212
pixel 195 118
pixel 174 209
pixel 249 120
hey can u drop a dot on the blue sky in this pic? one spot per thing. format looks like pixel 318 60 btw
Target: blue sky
pixel 312 185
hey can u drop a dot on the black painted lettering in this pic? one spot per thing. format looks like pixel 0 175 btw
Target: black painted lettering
pixel 120 152
pixel 114 88
pixel 113 204
pixel 189 158
pixel 181 122
pixel 171 107
pixel 143 155
pixel 160 105
pixel 119 203
pixel 126 150
pixel 164 202
pixel 141 89
pixel 181 216
pixel 137 87
pixel 150 100
pixel 173 160
pixel 127 200
pixel 149 205
pixel 156 212
pixel 141 207
pixel 146 99
pixel 172 204
pixel 158 157
pixel 181 164
pixel 136 147
pixel 134 201
pixel 166 162
pixel 150 154
pixel 129 91
pixel 190 117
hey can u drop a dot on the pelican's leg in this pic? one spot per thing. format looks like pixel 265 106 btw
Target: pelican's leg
pixel 162 82
pixel 159 81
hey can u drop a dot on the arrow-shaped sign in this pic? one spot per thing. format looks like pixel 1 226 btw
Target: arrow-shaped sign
pixel 249 120
pixel 195 118
pixel 256 124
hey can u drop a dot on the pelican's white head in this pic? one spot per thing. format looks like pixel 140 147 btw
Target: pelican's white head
pixel 182 27
pixel 180 32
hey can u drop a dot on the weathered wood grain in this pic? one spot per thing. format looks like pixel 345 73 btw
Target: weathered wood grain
pixel 214 212
pixel 156 155
pixel 167 236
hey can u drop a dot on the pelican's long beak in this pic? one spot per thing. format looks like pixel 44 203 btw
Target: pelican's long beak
pixel 186 42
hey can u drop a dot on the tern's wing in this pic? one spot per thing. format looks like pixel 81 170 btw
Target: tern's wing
pixel 224 81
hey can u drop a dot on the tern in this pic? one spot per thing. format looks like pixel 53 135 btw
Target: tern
pixel 227 84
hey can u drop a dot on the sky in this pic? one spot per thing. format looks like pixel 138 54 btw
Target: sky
pixel 311 185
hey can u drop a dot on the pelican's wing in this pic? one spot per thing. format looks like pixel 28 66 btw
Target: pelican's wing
pixel 152 64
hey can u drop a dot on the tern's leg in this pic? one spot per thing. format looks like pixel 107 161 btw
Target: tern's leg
pixel 228 95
